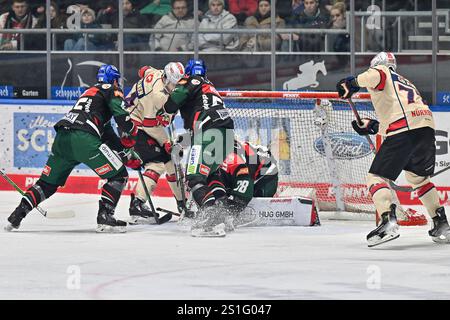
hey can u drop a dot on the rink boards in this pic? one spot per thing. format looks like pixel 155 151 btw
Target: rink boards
pixel 26 136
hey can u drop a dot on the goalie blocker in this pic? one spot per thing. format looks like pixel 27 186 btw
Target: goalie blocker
pixel 289 211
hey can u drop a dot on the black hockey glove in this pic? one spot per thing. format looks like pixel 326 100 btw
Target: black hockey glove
pixel 368 126
pixel 347 87
pixel 130 159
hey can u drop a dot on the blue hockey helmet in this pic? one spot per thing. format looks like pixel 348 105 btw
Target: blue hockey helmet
pixel 195 67
pixel 108 73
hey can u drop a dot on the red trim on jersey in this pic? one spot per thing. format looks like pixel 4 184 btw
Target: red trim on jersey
pixel 171 177
pixel 152 175
pixel 109 194
pixel 32 195
pixel 248 150
pixel 150 122
pixel 216 182
pixel 137 123
pixel 92 91
pixel 375 187
pixel 232 162
pixel 397 125
pixel 197 114
pixel 207 88
pixel 380 86
pixel 424 189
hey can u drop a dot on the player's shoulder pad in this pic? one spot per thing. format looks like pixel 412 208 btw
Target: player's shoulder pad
pixel 195 80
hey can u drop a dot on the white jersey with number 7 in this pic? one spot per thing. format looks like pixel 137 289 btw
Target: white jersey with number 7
pixel 397 102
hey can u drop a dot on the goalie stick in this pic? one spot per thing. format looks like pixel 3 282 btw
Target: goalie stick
pixel 49 215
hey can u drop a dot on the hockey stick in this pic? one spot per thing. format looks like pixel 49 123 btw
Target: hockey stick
pixel 178 170
pixel 166 217
pixel 374 150
pixel 51 215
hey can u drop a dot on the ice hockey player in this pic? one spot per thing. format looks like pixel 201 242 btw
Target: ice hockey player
pixel 209 123
pixel 85 135
pixel 153 145
pixel 408 125
pixel 249 171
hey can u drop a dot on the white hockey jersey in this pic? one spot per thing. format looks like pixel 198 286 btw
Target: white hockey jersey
pixel 397 102
pixel 146 97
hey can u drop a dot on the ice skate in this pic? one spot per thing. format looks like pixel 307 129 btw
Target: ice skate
pixel 386 231
pixel 209 223
pixel 440 232
pixel 184 212
pixel 17 216
pixel 106 223
pixel 140 212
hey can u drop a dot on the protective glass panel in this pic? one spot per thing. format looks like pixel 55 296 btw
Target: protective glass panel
pixel 19 73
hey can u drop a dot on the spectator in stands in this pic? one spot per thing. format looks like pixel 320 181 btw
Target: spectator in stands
pixel 132 19
pixel 82 41
pixel 202 7
pixel 310 18
pixel 108 15
pixel 107 18
pixel 340 42
pixel 297 6
pixel 261 19
pixel 4 6
pixel 19 17
pixel 218 18
pixel 178 18
pixel 156 10
pixel 242 9
pixel 57 21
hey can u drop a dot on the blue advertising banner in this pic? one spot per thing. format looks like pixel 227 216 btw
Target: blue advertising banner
pixel 443 98
pixel 33 138
pixel 6 92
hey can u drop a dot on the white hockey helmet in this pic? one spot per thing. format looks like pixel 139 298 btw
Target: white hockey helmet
pixel 385 59
pixel 173 72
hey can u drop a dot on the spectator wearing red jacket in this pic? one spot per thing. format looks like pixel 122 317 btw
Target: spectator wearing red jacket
pixel 242 9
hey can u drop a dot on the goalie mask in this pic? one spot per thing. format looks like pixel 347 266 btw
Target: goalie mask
pixel 385 59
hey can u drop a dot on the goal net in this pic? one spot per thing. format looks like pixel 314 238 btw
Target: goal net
pixel 317 150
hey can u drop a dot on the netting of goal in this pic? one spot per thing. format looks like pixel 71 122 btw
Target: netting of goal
pixel 311 136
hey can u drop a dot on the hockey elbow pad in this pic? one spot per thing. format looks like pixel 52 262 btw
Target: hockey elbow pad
pixel 347 87
pixel 368 126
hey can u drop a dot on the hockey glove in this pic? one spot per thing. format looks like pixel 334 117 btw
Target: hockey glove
pixel 168 147
pixel 347 87
pixel 368 126
pixel 130 159
pixel 163 118
pixel 128 140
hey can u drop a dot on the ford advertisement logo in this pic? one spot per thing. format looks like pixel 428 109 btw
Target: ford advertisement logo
pixel 344 146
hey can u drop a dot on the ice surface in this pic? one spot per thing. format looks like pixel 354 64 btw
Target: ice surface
pixel 42 260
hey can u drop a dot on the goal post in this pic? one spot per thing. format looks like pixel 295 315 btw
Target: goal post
pixel 317 150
